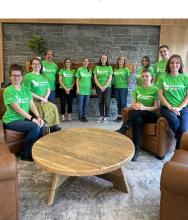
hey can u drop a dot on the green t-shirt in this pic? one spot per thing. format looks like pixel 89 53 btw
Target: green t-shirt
pixel 146 96
pixel 121 76
pixel 160 69
pixel 84 76
pixel 50 72
pixel 103 73
pixel 174 88
pixel 139 72
pixel 37 83
pixel 68 76
pixel 22 97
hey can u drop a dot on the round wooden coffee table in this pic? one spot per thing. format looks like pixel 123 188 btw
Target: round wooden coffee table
pixel 83 152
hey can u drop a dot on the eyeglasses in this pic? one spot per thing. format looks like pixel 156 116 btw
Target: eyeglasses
pixel 16 76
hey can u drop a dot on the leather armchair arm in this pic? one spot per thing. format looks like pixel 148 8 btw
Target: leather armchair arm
pixel 2 134
pixel 184 141
pixel 8 169
pixel 161 127
pixel 174 178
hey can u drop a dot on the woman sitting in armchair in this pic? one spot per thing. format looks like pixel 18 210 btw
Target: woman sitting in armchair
pixel 145 103
pixel 19 103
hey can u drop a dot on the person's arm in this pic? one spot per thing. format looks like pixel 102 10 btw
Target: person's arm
pixel 97 82
pixel 108 81
pixel 41 98
pixel 152 108
pixel 34 110
pixel 184 103
pixel 61 82
pixel 77 86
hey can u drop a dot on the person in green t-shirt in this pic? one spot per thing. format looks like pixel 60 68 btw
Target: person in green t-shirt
pixel 103 77
pixel 49 71
pixel 66 81
pixel 83 89
pixel 144 104
pixel 121 83
pixel 40 89
pixel 173 93
pixel 21 113
pixel 145 62
pixel 160 66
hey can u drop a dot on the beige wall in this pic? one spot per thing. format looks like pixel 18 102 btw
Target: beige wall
pixel 176 37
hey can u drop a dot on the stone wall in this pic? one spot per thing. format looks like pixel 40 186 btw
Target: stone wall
pixel 78 41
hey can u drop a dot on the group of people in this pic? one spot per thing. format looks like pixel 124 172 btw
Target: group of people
pixel 166 95
pixel 31 105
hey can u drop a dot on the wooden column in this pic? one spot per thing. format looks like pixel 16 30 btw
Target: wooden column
pixel 1 54
pixel 176 37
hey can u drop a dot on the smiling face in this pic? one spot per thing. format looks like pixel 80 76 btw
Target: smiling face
pixel 175 65
pixel 16 77
pixel 49 56
pixel 36 65
pixel 104 59
pixel 121 61
pixel 67 64
pixel 146 78
pixel 85 62
pixel 164 53
pixel 145 62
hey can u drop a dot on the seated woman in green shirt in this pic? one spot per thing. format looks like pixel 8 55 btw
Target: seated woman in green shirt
pixel 21 113
pixel 40 89
pixel 145 103
pixel 173 93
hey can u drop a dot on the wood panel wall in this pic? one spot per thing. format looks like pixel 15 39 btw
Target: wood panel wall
pixel 176 37
pixel 174 32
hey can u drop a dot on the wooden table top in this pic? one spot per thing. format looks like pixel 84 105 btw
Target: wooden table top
pixel 82 151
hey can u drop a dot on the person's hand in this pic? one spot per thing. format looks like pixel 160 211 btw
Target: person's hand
pixel 44 100
pixel 102 88
pixel 36 121
pixel 67 91
pixel 136 106
pixel 176 110
pixel 78 92
pixel 41 122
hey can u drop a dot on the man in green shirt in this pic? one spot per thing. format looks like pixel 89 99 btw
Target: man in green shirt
pixel 49 71
pixel 160 66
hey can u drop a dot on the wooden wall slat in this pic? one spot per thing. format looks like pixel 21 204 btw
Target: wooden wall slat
pixel 1 55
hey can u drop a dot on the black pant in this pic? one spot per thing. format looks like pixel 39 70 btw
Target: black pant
pixel 137 119
pixel 64 98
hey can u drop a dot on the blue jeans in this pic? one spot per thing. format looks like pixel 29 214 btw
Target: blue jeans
pixel 121 98
pixel 178 123
pixel 33 133
pixel 83 101
pixel 51 97
pixel 104 101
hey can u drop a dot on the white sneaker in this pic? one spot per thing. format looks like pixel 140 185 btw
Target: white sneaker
pixel 100 119
pixel 105 120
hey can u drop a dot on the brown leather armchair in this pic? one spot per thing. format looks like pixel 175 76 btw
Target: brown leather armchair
pixel 157 138
pixel 174 184
pixel 9 201
pixel 14 140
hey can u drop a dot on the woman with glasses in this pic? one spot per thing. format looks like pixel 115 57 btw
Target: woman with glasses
pixel 40 89
pixel 66 81
pixel 103 77
pixel 173 93
pixel 144 104
pixel 121 83
pixel 21 113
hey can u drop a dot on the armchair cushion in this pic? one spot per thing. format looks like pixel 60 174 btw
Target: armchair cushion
pixel 11 135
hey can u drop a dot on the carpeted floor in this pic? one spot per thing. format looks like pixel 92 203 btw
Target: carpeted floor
pixel 92 198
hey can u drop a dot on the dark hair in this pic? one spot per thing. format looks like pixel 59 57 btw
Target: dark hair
pixel 88 60
pixel 117 64
pixel 100 63
pixel 46 52
pixel 168 70
pixel 39 60
pixel 15 67
pixel 67 58
pixel 164 45
pixel 148 60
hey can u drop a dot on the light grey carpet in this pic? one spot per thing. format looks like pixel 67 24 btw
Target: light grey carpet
pixel 92 198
